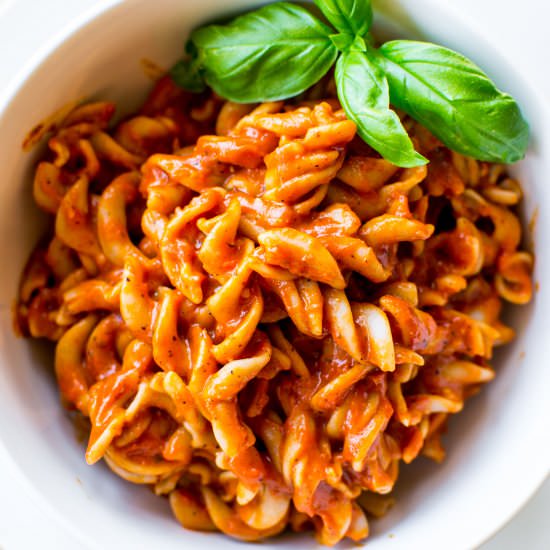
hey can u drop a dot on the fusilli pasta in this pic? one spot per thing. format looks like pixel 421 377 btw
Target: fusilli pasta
pixel 261 318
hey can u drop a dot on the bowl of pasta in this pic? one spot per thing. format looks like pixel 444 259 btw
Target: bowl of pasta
pixel 259 301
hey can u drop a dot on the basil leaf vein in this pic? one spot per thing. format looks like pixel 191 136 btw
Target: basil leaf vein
pixel 455 100
pixel 273 53
pixel 363 92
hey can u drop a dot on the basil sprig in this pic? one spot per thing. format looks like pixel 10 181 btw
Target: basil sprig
pixel 281 49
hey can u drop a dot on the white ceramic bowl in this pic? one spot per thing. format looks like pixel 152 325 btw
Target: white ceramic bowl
pixel 498 448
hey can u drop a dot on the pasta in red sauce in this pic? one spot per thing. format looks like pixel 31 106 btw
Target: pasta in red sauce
pixel 260 317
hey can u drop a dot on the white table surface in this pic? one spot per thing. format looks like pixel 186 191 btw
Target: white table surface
pixel 519 28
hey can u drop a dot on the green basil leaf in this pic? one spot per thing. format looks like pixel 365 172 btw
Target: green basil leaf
pixel 187 75
pixel 269 54
pixel 348 16
pixel 364 95
pixel 455 100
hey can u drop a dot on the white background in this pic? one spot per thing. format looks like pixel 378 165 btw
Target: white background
pixel 519 28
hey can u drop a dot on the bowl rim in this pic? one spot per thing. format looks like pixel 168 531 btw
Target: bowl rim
pixel 7 96
pixel 100 8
